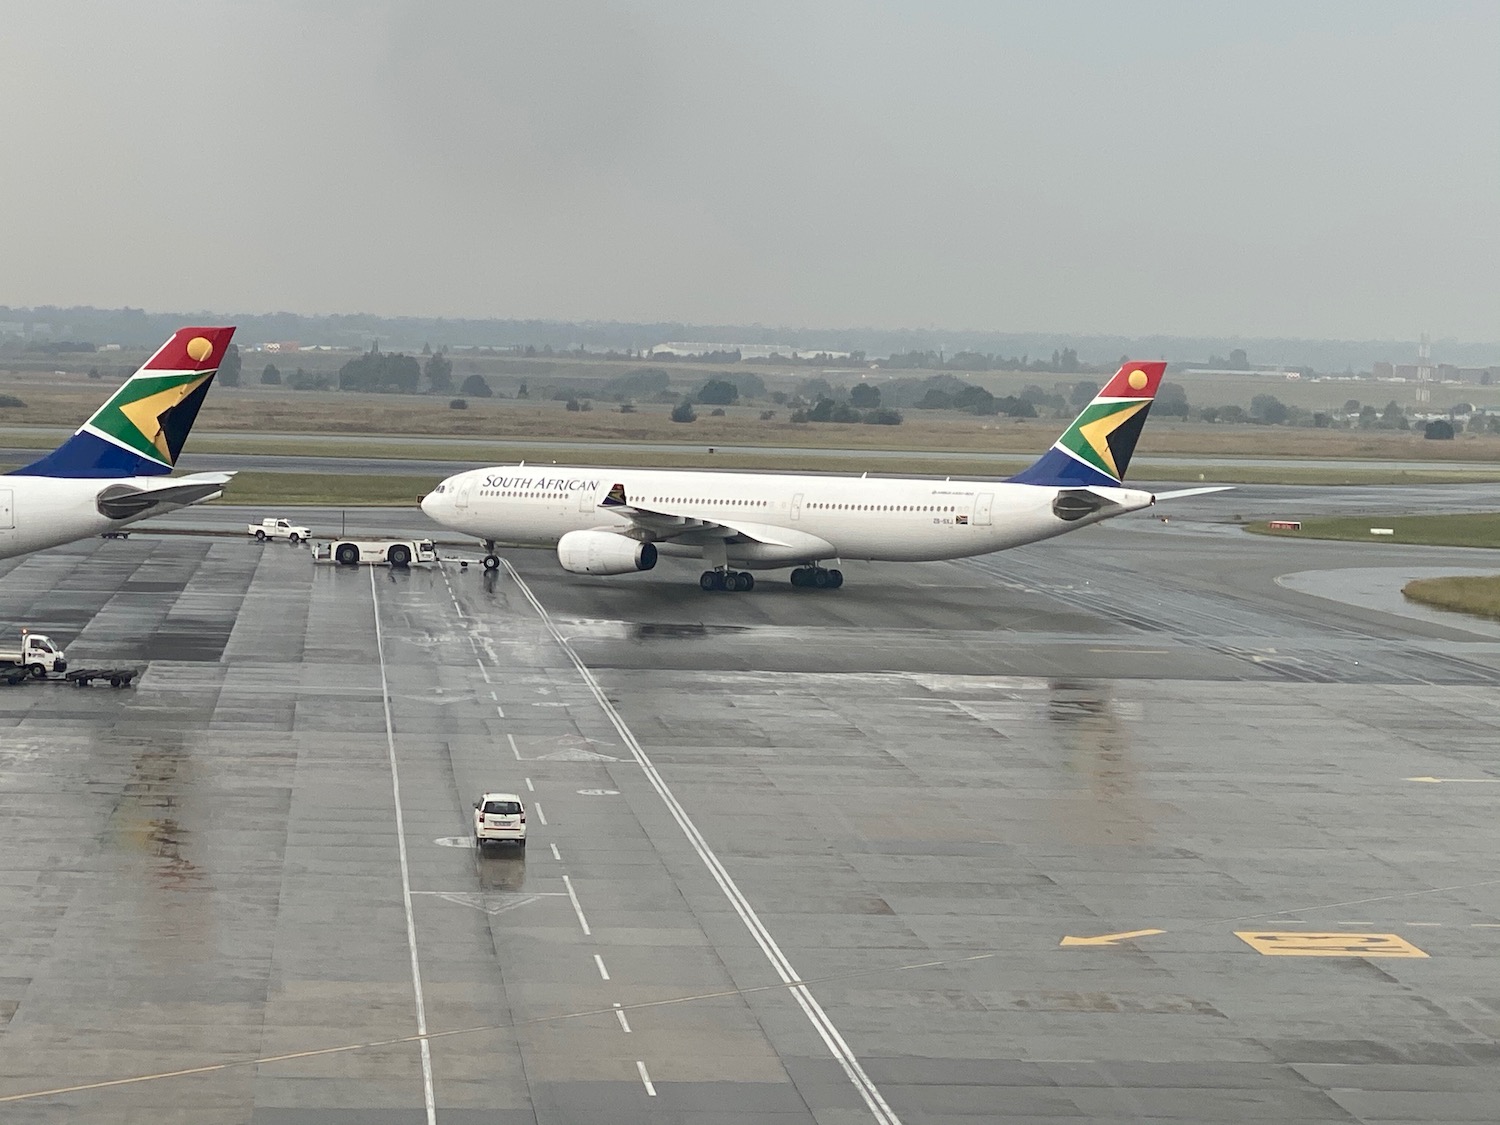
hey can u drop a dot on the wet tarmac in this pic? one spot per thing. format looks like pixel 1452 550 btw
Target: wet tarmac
pixel 1123 827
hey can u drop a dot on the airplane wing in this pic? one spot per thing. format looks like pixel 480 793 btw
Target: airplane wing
pixel 665 524
pixel 131 501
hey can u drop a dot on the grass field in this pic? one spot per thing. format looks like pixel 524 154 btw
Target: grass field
pixel 64 401
pixel 1476 594
pixel 335 489
pixel 1476 529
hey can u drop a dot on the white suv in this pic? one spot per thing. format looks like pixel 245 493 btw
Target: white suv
pixel 497 817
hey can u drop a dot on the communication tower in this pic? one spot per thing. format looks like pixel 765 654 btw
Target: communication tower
pixel 1424 370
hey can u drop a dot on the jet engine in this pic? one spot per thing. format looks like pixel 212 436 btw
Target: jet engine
pixel 603 552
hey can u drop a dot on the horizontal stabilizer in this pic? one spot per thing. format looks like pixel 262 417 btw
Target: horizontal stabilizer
pixel 1181 492
pixel 129 501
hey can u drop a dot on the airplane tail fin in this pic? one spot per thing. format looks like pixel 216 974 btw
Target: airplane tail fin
pixel 140 431
pixel 1096 448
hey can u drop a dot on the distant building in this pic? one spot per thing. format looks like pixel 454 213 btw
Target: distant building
pixel 689 348
pixel 1384 371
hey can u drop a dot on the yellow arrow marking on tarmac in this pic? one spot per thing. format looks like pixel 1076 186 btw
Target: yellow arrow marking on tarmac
pixel 1109 939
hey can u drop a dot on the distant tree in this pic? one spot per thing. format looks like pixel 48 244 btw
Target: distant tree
pixel 935 399
pixel 1233 414
pixel 458 404
pixel 1369 417
pixel 10 402
pixel 475 387
pixel 1209 413
pixel 866 396
pixel 767 415
pixel 627 408
pixel 1083 393
pixel 439 372
pixel 1014 407
pixel 1269 410
pixel 1393 417
pixel 426 349
pixel 843 412
pixel 229 367
pixel 1238 360
pixel 684 412
pixel 271 375
pixel 1441 430
pixel 822 410
pixel 1171 401
pixel 381 373
pixel 1351 406
pixel 975 400
pixel 521 391
pixel 573 405
pixel 94 371
pixel 716 412
pixel 718 392
pixel 882 417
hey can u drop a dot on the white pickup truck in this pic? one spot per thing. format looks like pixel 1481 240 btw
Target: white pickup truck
pixel 34 652
pixel 278 529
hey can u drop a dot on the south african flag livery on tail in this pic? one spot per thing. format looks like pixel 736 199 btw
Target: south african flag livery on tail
pixel 140 431
pixel 1096 448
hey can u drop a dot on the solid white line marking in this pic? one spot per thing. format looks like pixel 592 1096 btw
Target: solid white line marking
pixel 411 922
pixel 557 855
pixel 874 1100
pixel 577 909
pixel 624 1024
pixel 646 1079
pixel 536 807
pixel 603 972
pixel 513 748
pixel 530 788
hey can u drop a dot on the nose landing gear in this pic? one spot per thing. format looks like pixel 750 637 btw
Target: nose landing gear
pixel 817 577
pixel 733 581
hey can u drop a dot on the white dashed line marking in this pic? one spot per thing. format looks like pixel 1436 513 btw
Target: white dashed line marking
pixel 514 749
pixel 530 788
pixel 557 855
pixel 577 909
pixel 624 1026
pixel 603 972
pixel 540 815
pixel 646 1079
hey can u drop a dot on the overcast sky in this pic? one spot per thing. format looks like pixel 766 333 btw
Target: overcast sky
pixel 1313 169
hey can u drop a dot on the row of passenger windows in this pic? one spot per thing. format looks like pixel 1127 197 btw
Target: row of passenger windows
pixel 881 507
pixel 701 500
pixel 524 495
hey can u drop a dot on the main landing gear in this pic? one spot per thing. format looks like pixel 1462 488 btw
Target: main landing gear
pixel 817 577
pixel 734 581
pixel 491 560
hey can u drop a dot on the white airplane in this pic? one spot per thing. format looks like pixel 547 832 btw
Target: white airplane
pixel 114 469
pixel 616 521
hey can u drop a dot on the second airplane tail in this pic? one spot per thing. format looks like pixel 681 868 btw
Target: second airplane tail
pixel 140 431
pixel 1096 448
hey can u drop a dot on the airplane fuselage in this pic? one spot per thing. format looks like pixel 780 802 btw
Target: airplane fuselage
pixel 41 512
pixel 789 519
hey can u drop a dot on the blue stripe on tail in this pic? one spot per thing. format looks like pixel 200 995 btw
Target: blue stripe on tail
pixel 88 455
pixel 1057 469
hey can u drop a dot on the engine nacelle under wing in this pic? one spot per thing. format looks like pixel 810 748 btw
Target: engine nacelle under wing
pixel 604 552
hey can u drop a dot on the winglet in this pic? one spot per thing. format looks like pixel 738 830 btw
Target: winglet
pixel 1096 448
pixel 141 430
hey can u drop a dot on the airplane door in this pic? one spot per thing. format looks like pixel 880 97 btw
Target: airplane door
pixel 982 505
pixel 797 506
pixel 7 509
pixel 461 502
pixel 586 501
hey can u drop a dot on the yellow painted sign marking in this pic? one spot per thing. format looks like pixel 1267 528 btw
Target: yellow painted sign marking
pixel 1300 944
pixel 1109 939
